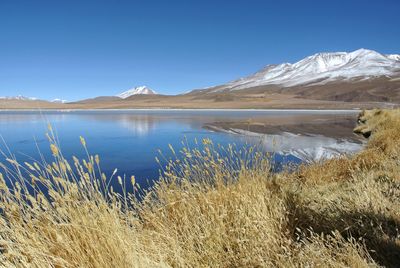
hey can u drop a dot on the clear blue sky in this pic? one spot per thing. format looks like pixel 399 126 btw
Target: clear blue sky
pixel 78 49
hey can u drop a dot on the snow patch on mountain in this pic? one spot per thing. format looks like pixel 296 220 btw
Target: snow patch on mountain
pixel 394 57
pixel 321 68
pixel 142 90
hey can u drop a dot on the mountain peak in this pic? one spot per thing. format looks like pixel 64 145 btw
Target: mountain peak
pixel 141 90
pixel 59 101
pixel 364 51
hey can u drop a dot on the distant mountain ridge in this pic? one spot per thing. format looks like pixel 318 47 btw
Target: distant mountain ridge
pixel 18 97
pixel 142 90
pixel 24 98
pixel 362 78
pixel 320 68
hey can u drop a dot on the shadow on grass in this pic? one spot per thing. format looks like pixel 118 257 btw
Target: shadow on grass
pixel 377 232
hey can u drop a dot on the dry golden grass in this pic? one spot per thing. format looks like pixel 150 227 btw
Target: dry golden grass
pixel 209 210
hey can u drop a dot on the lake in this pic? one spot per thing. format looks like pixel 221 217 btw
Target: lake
pixel 131 139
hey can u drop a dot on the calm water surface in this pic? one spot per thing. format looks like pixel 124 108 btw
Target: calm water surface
pixel 128 140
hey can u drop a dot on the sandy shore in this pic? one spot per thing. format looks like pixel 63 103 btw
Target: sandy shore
pixel 334 126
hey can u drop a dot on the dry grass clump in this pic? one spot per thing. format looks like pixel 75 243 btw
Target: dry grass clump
pixel 211 208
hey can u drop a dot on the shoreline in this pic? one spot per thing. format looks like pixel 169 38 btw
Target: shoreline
pixel 336 125
pixel 355 110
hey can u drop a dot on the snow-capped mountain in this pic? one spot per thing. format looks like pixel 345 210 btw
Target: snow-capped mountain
pixel 19 97
pixel 59 101
pixel 321 68
pixel 142 90
pixel 23 98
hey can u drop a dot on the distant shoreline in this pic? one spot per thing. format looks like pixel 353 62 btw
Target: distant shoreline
pixel 183 109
